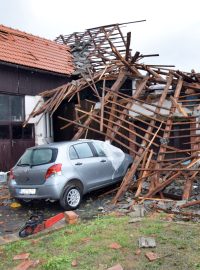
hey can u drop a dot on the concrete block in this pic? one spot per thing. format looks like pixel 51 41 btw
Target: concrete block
pixel 145 242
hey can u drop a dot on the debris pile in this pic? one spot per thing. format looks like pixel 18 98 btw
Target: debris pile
pixel 156 120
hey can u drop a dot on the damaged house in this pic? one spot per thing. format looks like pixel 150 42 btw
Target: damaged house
pixel 28 65
pixel 150 111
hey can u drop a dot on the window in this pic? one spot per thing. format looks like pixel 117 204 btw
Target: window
pixel 25 159
pixel 11 108
pixel 4 132
pixel 72 153
pixel 38 156
pixel 17 112
pixel 83 150
pixel 98 148
pixel 42 156
pixel 18 132
pixel 4 107
pixel 28 132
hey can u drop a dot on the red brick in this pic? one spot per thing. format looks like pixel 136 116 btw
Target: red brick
pixel 116 267
pixel 74 263
pixel 152 256
pixel 70 214
pixel 71 217
pixel 138 252
pixel 115 246
pixel 22 256
pixel 25 265
pixel 86 239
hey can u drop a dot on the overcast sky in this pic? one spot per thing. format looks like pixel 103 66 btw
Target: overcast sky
pixel 172 28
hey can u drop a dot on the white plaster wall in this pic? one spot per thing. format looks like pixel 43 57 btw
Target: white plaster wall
pixel 167 104
pixel 40 130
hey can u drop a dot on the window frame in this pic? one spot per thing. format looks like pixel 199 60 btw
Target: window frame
pixel 95 150
pixel 94 154
pixel 23 131
pixel 9 119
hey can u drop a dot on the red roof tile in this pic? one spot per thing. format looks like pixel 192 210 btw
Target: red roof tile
pixel 32 51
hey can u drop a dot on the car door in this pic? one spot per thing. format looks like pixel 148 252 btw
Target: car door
pixel 90 167
pixel 106 165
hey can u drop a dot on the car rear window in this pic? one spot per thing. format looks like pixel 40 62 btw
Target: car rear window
pixel 25 159
pixel 34 157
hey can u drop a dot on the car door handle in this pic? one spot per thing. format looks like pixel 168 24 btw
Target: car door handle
pixel 78 163
pixel 103 160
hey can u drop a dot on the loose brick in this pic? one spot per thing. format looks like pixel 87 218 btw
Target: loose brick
pixel 115 246
pixel 138 251
pixel 25 265
pixel 74 263
pixel 116 267
pixel 22 256
pixel 71 217
pixel 152 256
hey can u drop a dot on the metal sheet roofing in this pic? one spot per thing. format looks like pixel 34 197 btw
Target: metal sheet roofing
pixel 20 48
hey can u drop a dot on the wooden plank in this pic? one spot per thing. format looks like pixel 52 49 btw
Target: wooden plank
pixel 166 135
pixel 144 174
pixel 102 105
pixel 129 105
pixel 112 128
pixel 190 178
pixel 127 179
pixel 128 46
pixel 179 107
pixel 118 83
pixel 168 181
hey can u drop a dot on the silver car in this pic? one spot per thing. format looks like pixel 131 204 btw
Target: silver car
pixel 65 171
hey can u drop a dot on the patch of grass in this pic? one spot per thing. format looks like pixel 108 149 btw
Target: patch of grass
pixel 177 245
pixel 58 262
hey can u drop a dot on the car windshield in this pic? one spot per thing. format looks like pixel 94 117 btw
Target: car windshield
pixel 34 157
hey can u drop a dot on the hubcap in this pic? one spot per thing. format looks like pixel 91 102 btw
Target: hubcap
pixel 73 197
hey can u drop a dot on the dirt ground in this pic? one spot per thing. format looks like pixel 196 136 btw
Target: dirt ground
pixel 12 219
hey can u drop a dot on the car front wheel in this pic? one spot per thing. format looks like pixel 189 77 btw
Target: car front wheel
pixel 71 198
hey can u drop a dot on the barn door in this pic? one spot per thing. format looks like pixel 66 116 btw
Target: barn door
pixel 14 139
pixel 5 147
pixel 21 139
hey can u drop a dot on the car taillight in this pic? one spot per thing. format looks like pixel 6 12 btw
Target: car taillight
pixel 11 175
pixel 53 170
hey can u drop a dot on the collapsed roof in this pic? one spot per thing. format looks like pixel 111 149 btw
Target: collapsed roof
pixel 163 107
pixel 92 49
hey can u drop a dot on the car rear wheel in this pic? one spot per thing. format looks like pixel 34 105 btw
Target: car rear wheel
pixel 71 198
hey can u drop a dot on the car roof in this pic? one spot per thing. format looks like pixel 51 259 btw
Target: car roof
pixel 61 144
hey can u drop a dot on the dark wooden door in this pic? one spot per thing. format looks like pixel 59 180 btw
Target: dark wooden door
pixel 18 147
pixel 21 139
pixel 14 140
pixel 5 155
